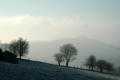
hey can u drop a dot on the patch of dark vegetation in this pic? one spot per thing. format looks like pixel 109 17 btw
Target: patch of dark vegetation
pixel 7 56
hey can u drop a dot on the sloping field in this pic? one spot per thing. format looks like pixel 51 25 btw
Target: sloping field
pixel 32 70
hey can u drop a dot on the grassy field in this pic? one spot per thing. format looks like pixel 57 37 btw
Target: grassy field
pixel 32 70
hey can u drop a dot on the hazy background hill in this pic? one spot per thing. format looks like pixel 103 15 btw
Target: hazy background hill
pixel 44 50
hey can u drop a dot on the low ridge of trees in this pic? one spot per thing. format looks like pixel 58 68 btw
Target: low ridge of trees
pixel 104 65
pixel 59 58
pixel 101 65
pixel 68 53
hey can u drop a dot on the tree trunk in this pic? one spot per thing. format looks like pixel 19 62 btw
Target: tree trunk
pixel 67 63
pixel 59 63
pixel 20 57
pixel 92 68
pixel 101 70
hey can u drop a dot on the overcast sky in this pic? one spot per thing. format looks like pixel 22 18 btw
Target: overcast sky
pixel 37 20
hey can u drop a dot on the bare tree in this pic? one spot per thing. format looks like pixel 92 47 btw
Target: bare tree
pixel 109 67
pixel 22 47
pixel 101 64
pixel 13 47
pixel 69 52
pixel 91 62
pixel 59 58
pixel 104 65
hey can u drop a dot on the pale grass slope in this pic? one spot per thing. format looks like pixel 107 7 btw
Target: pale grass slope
pixel 32 70
pixel 110 76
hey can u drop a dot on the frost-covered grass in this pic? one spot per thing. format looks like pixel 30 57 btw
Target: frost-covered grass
pixel 32 70
pixel 110 76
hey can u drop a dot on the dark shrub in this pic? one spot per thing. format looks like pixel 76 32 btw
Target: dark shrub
pixel 1 55
pixel 8 57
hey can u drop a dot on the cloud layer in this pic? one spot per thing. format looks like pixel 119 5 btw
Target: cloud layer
pixel 51 28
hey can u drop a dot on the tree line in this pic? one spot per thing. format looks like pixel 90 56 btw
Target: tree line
pixel 14 50
pixel 68 53
pixel 92 63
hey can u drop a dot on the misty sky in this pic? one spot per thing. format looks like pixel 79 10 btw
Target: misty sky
pixel 37 20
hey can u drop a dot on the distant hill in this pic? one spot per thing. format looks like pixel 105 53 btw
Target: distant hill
pixel 44 51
